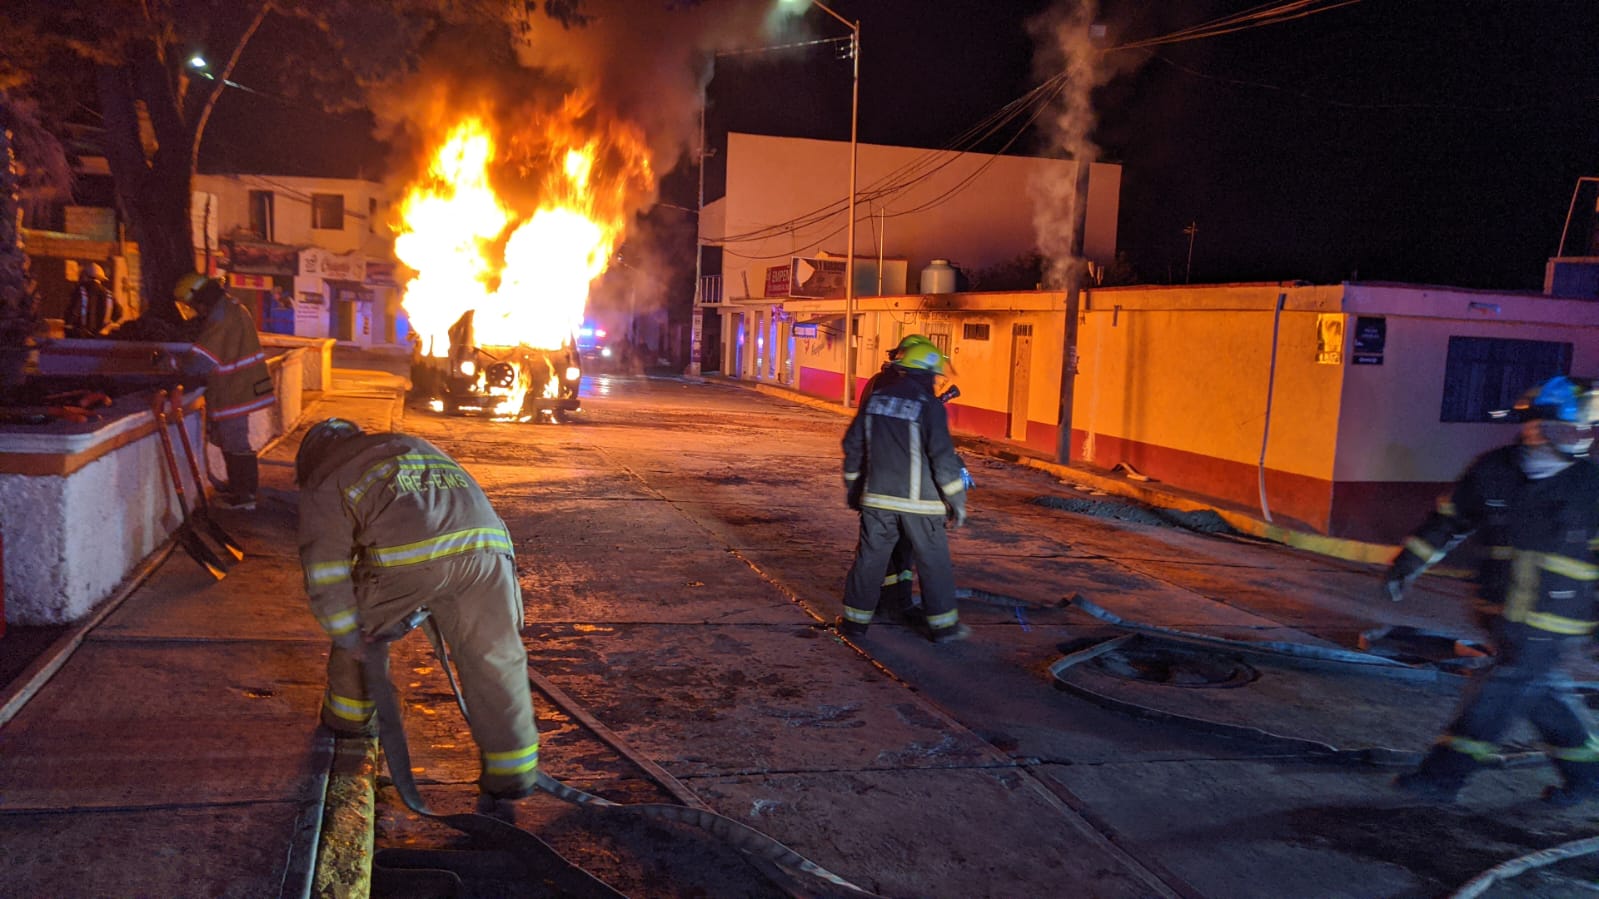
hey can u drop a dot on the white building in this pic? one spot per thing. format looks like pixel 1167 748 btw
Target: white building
pixel 311 256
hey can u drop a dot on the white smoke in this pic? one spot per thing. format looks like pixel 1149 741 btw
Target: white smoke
pixel 1068 40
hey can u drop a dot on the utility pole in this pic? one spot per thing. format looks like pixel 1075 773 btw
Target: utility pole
pixel 1074 290
pixel 697 319
pixel 1191 230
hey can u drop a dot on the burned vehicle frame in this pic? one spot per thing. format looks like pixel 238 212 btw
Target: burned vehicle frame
pixel 488 379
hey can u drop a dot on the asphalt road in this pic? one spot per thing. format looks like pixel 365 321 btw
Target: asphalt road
pixel 681 547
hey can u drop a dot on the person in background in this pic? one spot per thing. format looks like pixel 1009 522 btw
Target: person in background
pixel 227 352
pixel 94 310
pixel 393 531
pixel 1535 506
pixel 902 474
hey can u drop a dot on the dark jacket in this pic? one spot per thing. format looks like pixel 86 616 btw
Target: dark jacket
pixel 1538 538
pixel 898 455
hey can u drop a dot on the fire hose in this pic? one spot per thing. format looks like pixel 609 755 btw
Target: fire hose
pixel 767 852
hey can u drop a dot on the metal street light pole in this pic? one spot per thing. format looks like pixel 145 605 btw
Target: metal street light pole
pixel 854 146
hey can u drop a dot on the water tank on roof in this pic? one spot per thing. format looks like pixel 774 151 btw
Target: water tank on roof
pixel 938 277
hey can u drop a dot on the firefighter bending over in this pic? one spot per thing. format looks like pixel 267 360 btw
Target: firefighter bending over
pixel 901 472
pixel 1535 504
pixel 392 530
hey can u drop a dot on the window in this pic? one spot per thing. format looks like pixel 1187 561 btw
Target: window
pixel 1486 374
pixel 971 331
pixel 261 214
pixel 371 215
pixel 327 212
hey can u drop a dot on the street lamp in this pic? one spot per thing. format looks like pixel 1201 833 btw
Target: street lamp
pixel 849 259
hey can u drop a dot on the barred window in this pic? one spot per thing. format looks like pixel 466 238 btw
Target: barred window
pixel 974 331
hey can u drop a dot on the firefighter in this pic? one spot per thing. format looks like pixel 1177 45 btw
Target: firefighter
pixel 227 351
pixel 392 531
pixel 895 598
pixel 902 474
pixel 1535 505
pixel 94 310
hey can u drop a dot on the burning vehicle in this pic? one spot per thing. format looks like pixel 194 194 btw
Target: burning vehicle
pixel 518 382
pixel 505 232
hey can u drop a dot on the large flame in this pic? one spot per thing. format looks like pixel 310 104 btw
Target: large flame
pixel 526 271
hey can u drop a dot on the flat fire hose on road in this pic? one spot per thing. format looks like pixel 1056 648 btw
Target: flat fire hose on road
pixel 568 876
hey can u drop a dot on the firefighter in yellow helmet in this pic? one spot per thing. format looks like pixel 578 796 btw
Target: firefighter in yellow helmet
pixel 393 531
pixel 901 472
pixel 228 353
pixel 896 599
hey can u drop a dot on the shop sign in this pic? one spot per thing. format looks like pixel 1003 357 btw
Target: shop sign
pixel 323 264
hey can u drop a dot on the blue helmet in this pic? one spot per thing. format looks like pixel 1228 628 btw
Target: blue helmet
pixel 1561 412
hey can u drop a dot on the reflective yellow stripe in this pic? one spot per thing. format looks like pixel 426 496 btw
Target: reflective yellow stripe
pixel 1521 595
pixel 1421 548
pixel 379 472
pixel 1587 752
pixel 851 476
pixel 326 573
pixel 1501 553
pixel 953 487
pixel 947 619
pixel 857 615
pixel 493 539
pixel 348 708
pixel 891 580
pixel 1566 566
pixel 1477 749
pixel 339 623
pixel 517 761
pixel 901 504
pixel 906 575
pixel 1446 506
pixel 1556 624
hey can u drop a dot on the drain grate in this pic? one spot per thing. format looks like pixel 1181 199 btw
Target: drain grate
pixel 1173 667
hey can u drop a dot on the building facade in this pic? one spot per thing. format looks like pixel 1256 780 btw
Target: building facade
pixel 312 257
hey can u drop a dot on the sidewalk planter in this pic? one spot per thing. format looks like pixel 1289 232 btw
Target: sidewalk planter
pixel 82 504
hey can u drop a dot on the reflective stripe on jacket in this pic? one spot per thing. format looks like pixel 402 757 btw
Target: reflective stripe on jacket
pixel 228 352
pixel 386 501
pixel 1538 563
pixel 899 444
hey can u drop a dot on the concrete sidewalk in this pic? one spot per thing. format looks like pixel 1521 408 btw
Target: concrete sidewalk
pixel 166 746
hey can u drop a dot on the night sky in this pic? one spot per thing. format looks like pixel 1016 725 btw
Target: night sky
pixel 1406 140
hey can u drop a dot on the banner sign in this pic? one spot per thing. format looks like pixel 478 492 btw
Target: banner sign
pixel 320 262
pixel 777 281
pixel 816 279
pixel 257 258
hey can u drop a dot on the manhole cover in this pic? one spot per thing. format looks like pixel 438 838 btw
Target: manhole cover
pixel 1174 668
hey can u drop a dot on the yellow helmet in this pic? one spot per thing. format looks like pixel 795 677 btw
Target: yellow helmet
pixel 187 285
pixel 922 357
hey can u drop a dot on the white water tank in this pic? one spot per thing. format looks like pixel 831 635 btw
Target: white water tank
pixel 938 277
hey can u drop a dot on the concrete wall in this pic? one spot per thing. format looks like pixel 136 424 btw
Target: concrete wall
pixel 81 506
pixel 1176 382
pixel 979 208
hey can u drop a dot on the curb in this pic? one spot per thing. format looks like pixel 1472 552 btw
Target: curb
pixel 1321 544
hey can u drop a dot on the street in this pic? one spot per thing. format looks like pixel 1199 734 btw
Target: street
pixel 680 547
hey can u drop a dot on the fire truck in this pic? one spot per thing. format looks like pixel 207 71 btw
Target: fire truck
pixel 518 382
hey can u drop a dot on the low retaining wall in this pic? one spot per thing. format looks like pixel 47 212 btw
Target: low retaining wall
pixel 82 504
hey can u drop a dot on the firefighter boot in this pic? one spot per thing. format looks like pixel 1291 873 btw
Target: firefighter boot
pixel 849 628
pixel 1580 782
pixel 244 476
pixel 951 634
pixel 1441 775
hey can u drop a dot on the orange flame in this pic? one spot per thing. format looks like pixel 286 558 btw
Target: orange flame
pixel 523 258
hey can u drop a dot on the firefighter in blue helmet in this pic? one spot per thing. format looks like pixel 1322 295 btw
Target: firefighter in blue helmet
pixel 1535 506
pixel 901 472
pixel 392 531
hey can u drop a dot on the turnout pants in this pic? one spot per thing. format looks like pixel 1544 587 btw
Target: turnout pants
pixel 475 600
pixel 1528 682
pixel 880 530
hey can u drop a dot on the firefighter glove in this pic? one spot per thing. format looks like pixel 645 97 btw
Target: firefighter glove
pixel 957 510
